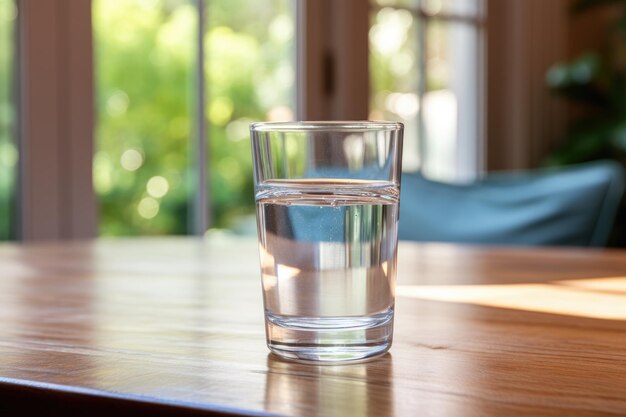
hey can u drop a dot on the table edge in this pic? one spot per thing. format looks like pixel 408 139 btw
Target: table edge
pixel 24 386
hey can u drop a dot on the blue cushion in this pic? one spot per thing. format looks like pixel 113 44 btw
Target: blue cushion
pixel 575 206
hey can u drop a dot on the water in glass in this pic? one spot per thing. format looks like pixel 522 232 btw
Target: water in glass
pixel 328 261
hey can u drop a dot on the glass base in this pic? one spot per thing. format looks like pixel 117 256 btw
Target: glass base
pixel 331 340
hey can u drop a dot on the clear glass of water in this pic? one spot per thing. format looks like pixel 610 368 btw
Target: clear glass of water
pixel 327 197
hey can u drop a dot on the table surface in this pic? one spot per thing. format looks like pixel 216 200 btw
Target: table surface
pixel 179 323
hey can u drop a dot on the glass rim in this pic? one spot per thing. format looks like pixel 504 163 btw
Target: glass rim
pixel 326 126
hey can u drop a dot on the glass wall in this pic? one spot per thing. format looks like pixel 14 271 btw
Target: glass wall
pixel 8 118
pixel 146 88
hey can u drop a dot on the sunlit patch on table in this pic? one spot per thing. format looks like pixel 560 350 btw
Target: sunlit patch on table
pixel 601 298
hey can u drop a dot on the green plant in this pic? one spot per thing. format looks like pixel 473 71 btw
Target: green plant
pixel 597 82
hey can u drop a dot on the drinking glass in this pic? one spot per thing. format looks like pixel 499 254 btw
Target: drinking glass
pixel 327 196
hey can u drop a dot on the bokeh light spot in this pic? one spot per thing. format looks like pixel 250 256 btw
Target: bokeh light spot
pixel 220 111
pixel 131 160
pixel 118 102
pixel 238 129
pixel 405 105
pixel 8 155
pixel 157 186
pixel 390 31
pixel 148 208
pixel 432 7
pixel 281 28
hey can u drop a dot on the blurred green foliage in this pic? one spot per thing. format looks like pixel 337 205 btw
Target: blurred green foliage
pixel 8 119
pixel 595 81
pixel 146 91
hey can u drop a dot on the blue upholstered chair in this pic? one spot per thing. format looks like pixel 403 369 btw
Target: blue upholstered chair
pixel 575 206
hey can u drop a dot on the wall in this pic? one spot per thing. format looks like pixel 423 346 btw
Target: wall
pixel 525 121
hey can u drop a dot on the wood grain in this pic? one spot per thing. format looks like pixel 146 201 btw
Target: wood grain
pixel 177 324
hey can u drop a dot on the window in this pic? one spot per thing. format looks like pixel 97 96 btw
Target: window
pixel 426 70
pixel 8 118
pixel 177 83
pixel 148 88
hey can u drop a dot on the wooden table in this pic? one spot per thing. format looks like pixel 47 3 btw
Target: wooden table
pixel 175 327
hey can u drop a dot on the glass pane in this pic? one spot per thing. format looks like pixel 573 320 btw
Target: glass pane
pixel 467 8
pixel 450 102
pixel 394 63
pixel 250 67
pixel 8 118
pixel 144 62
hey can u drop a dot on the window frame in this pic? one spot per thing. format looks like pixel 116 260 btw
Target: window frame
pixel 55 191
